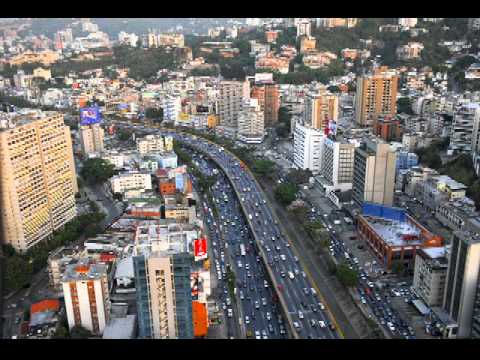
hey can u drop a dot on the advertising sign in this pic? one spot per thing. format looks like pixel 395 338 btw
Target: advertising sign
pixel 90 115
pixel 200 248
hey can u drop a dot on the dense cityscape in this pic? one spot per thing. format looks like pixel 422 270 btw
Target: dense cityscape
pixel 240 178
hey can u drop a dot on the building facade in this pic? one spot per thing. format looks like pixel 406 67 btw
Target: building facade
pixel 38 181
pixel 307 148
pixel 337 164
pixel 430 275
pixel 91 138
pixel 320 108
pixel 374 173
pixel 376 96
pixel 251 124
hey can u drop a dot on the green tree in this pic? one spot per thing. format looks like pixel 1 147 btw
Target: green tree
pixel 124 135
pixel 61 333
pixel 79 332
pixel 263 167
pixel 299 176
pixel 404 105
pixel 154 114
pixel 286 193
pixel 347 276
pixel 18 272
pixel 97 171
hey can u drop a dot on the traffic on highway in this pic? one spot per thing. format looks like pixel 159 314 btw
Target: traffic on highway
pixel 306 311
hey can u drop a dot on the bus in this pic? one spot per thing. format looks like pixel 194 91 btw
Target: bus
pixel 242 250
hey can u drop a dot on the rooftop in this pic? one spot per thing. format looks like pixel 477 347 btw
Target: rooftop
pixel 84 270
pixel 396 233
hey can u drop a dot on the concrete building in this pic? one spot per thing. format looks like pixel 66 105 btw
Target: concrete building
pixel 91 138
pixel 374 173
pixel 162 264
pixel 407 22
pixel 307 148
pixel 86 293
pixel 455 214
pixel 412 50
pixel 230 102
pixel 38 181
pixel 376 96
pixel 307 44
pixel 465 134
pixel 268 97
pixel 251 124
pixel 320 108
pixel 461 288
pixel 131 181
pixel 304 28
pixel 154 143
pixel 430 275
pixel 337 164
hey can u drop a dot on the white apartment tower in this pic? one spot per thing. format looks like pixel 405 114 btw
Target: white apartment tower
pixel 230 102
pixel 337 164
pixel 251 124
pixel 307 148
pixel 86 294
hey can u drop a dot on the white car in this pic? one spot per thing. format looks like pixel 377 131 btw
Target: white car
pixel 283 257
pixel 229 313
pixel 257 335
pixel 322 323
pixel 247 320
pixel 321 306
pixel 300 315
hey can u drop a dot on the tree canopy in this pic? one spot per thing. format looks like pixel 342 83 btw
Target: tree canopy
pixel 97 171
pixel 285 193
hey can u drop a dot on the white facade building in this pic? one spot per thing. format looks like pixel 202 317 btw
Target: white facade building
pixel 307 148
pixel 154 143
pixel 337 164
pixel 251 123
pixel 131 181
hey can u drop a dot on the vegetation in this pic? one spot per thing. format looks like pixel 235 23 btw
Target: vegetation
pixel 286 193
pixel 65 67
pixel 430 156
pixel 404 106
pixel 97 171
pixel 347 276
pixel 213 71
pixel 124 135
pixel 79 332
pixel 299 176
pixel 263 167
pixel 21 267
pixel 154 114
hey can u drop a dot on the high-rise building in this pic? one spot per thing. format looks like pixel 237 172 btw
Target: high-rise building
pixel 307 44
pixel 86 294
pixel 251 124
pixel 304 28
pixel 337 164
pixel 38 181
pixel 163 265
pixel 376 96
pixel 230 102
pixel 374 173
pixel 464 133
pixel 461 287
pixel 320 108
pixel 91 138
pixel 268 97
pixel 307 148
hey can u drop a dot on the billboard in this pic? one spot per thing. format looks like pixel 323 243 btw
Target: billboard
pixel 200 248
pixel 90 115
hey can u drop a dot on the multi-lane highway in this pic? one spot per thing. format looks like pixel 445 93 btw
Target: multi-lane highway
pixel 307 313
pixel 258 309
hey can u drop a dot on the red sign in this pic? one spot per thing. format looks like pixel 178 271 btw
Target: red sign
pixel 200 247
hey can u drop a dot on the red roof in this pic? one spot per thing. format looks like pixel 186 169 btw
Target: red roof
pixel 45 305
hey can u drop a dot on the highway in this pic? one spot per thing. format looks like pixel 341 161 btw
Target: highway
pixel 258 306
pixel 306 312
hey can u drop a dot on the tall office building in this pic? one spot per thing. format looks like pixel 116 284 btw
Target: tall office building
pixel 307 148
pixel 320 108
pixel 91 138
pixel 461 288
pixel 376 96
pixel 164 298
pixel 374 173
pixel 230 102
pixel 251 124
pixel 86 294
pixel 337 164
pixel 38 180
pixel 268 97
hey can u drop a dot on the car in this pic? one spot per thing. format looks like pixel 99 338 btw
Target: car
pixel 268 316
pixel 264 335
pixel 283 274
pixel 264 302
pixel 257 305
pixel 270 328
pixel 303 274
pixel 229 302
pixel 300 315
pixel 258 259
pixel 283 257
pixel 306 291
pixel 247 320
pixel 296 325
pixel 363 300
pixel 257 335
pixel 295 258
pixel 322 324
pixel 229 313
pixel 313 322
pixel 241 295
pixel 321 306
pixel 314 309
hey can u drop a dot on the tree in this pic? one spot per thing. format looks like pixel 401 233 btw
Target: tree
pixel 97 171
pixel 61 333
pixel 18 272
pixel 79 332
pixel 286 193
pixel 123 135
pixel 154 114
pixel 263 167
pixel 8 250
pixel 398 267
pixel 299 176
pixel 404 105
pixel 347 276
